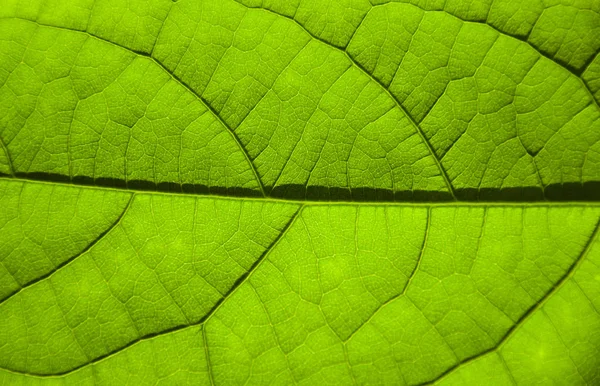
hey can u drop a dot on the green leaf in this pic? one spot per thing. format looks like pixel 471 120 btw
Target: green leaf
pixel 277 192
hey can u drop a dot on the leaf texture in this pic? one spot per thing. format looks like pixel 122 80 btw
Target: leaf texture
pixel 279 192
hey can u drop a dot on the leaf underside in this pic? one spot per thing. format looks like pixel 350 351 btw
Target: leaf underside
pixel 317 192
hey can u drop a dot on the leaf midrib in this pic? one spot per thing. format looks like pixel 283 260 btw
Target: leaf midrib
pixel 355 63
pixel 303 203
pixel 216 115
pixel 261 187
pixel 172 75
pixel 311 201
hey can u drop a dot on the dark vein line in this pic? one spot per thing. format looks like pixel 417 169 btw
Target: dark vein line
pixel 574 71
pixel 207 354
pixel 5 149
pixel 409 116
pixel 421 253
pixel 585 295
pixel 73 258
pixel 357 28
pixel 257 263
pixel 241 280
pixel 162 27
pixel 244 152
pixel 246 276
pixel 272 86
pixel 507 369
pixel 585 68
pixel 589 62
pixel 410 277
pixel 356 64
pixel 304 127
pixel 221 121
pixel 176 79
pixel 317 201
pixel 523 319
pixel 347 357
pixel 105 356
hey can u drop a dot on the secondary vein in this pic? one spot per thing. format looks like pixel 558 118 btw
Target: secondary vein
pixel 8 159
pixel 241 280
pixel 408 281
pixel 74 257
pixel 523 319
pixel 418 129
pixel 177 80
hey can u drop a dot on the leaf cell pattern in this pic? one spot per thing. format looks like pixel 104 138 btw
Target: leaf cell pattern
pixel 257 192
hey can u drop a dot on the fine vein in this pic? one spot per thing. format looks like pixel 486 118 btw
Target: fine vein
pixel 241 280
pixel 385 89
pixel 7 155
pixel 576 72
pixel 176 79
pixel 557 286
pixel 62 265
pixel 408 281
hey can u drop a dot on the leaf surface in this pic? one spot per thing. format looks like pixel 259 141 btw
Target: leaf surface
pixel 257 192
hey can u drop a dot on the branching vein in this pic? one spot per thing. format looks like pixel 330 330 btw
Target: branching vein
pixel 356 64
pixel 75 257
pixel 176 79
pixel 243 279
pixel 532 310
